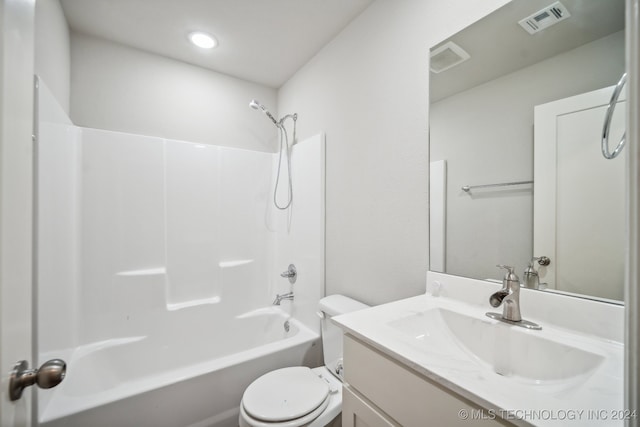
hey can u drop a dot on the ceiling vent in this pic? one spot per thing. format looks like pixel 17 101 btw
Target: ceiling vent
pixel 545 18
pixel 446 56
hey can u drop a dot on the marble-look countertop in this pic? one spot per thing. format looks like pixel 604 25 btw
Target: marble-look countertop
pixel 593 398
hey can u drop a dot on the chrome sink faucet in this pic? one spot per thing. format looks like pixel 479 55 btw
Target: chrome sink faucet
pixel 509 298
pixel 281 297
pixel 509 295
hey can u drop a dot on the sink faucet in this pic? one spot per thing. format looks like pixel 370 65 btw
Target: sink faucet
pixel 279 298
pixel 509 297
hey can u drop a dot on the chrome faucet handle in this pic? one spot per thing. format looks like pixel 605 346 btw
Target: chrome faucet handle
pixel 510 277
pixel 291 274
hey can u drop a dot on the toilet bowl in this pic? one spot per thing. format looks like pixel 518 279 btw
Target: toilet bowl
pixel 299 396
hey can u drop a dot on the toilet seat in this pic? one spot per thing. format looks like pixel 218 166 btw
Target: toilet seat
pixel 285 394
pixel 289 397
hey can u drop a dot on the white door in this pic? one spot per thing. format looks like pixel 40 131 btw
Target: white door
pixel 579 196
pixel 16 117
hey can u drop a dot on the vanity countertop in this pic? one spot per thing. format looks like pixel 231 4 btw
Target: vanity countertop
pixel 555 376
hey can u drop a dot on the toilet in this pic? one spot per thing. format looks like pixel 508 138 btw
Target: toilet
pixel 299 396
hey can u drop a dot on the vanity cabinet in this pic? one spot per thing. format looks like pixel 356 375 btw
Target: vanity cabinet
pixel 358 412
pixel 381 392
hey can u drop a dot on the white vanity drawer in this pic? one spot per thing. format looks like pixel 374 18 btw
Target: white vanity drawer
pixel 406 396
pixel 358 412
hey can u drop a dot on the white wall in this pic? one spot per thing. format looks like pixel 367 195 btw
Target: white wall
pixel 486 136
pixel 368 90
pixel 52 52
pixel 123 89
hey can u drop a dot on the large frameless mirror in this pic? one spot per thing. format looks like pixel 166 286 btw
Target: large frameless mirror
pixel 517 103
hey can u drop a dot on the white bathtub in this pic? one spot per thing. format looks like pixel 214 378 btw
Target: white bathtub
pixel 196 380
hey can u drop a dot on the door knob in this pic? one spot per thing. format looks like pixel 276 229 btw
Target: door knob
pixel 543 260
pixel 50 374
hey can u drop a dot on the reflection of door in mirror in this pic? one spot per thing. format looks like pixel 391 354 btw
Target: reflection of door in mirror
pixel 437 214
pixel 579 206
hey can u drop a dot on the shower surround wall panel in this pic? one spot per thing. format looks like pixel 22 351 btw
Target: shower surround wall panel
pixel 121 233
pixel 300 230
pixel 193 244
pixel 158 261
pixel 58 232
pixel 169 225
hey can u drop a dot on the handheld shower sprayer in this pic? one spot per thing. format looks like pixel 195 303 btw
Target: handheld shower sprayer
pixel 255 104
pixel 284 148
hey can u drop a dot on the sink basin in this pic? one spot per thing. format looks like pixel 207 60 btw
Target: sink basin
pixel 504 349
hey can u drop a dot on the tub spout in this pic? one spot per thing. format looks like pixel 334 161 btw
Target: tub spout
pixel 279 298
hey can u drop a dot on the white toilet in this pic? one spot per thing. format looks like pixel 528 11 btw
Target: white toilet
pixel 299 396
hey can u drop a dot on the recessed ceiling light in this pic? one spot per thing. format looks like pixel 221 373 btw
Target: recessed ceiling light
pixel 203 40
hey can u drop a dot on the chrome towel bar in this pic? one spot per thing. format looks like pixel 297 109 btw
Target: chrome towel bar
pixel 467 188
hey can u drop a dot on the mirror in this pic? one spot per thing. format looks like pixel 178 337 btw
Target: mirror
pixel 482 114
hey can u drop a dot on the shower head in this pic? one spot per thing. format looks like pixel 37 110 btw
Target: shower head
pixel 255 104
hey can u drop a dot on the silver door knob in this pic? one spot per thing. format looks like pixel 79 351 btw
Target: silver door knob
pixel 50 374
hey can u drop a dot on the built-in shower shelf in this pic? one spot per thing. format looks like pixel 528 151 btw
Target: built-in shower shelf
pixel 192 303
pixel 143 272
pixel 234 263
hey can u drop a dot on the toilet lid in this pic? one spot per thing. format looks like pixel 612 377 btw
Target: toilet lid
pixel 285 394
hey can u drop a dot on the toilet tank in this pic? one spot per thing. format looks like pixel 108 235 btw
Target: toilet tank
pixel 330 306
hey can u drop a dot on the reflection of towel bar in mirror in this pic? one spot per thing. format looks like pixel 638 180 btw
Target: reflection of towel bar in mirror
pixel 607 122
pixel 468 188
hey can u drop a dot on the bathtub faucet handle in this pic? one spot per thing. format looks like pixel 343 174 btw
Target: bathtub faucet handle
pixel 291 274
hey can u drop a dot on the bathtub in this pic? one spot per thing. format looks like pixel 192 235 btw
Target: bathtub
pixel 198 380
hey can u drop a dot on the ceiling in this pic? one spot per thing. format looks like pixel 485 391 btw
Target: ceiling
pixel 498 45
pixel 263 41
